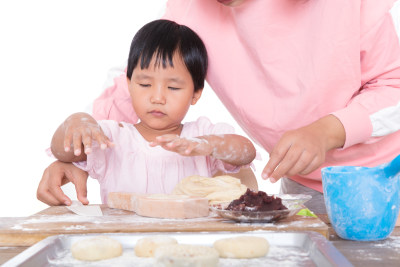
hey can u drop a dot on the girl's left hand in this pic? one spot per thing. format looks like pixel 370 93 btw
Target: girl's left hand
pixel 183 146
pixel 303 150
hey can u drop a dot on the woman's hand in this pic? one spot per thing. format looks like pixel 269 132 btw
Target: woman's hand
pixel 303 150
pixel 183 146
pixel 56 175
pixel 77 132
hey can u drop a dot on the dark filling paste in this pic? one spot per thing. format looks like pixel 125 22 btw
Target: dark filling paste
pixel 256 201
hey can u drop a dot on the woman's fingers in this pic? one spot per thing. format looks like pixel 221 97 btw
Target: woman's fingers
pixel 314 164
pixel 289 160
pixel 302 162
pixel 297 160
pixel 276 157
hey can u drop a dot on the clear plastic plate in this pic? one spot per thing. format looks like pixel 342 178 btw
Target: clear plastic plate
pixel 293 202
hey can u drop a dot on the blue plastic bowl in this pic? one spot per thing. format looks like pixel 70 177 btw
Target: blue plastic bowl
pixel 362 203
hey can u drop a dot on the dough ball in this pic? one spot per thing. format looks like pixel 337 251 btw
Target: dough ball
pixel 181 255
pixel 96 248
pixel 146 246
pixel 218 189
pixel 242 247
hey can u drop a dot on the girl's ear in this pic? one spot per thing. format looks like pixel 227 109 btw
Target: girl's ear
pixel 128 81
pixel 196 96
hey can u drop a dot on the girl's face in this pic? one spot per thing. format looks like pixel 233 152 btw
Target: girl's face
pixel 161 96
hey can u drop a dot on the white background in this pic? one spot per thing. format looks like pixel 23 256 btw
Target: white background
pixel 54 60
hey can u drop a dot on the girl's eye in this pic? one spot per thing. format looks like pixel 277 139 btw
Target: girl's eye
pixel 173 88
pixel 144 85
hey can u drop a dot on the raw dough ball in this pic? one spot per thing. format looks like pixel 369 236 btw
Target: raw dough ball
pixel 181 255
pixel 242 247
pixel 96 248
pixel 217 190
pixel 146 246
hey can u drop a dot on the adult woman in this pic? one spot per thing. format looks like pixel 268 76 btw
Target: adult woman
pixel 315 83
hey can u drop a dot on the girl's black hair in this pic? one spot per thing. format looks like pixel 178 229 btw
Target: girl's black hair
pixel 163 38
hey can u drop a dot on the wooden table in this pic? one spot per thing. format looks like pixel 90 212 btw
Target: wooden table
pixel 17 234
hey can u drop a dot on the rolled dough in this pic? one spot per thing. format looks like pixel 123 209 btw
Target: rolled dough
pixel 218 189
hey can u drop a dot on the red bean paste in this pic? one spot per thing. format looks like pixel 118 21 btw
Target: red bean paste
pixel 256 201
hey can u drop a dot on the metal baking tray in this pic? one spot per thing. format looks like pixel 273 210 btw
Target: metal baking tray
pixel 286 249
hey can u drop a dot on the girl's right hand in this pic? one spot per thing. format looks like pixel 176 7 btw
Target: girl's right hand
pixel 80 130
pixel 76 134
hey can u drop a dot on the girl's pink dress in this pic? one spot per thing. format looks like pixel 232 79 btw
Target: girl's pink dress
pixel 133 166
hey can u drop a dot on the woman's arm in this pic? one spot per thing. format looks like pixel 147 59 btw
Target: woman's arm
pixel 371 114
pixel 303 150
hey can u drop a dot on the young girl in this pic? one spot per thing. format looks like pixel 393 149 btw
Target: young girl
pixel 166 69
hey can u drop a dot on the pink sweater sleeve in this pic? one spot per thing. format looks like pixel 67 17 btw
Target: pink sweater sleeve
pixel 373 111
pixel 115 103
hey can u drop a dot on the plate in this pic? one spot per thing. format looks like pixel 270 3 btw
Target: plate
pixel 294 203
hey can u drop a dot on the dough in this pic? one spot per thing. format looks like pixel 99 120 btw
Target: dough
pixel 242 247
pixel 96 248
pixel 217 190
pixel 181 255
pixel 146 246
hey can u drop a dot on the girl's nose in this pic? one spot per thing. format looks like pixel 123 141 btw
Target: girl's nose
pixel 158 96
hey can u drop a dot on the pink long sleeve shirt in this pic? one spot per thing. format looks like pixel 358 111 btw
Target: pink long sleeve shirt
pixel 278 66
